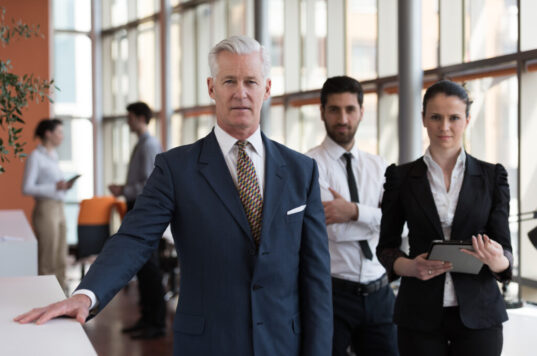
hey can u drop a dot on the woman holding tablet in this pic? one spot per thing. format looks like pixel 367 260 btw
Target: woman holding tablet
pixel 447 195
pixel 44 181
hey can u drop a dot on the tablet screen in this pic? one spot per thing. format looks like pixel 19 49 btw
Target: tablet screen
pixel 451 251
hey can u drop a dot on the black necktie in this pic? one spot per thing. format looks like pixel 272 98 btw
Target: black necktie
pixel 353 189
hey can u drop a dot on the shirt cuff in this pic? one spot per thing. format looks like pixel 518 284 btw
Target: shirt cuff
pixel 369 216
pixel 89 294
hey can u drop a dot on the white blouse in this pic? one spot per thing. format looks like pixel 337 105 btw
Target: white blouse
pixel 41 174
pixel 446 203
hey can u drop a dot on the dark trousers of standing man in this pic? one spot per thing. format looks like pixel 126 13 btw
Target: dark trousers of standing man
pixel 363 318
pixel 153 306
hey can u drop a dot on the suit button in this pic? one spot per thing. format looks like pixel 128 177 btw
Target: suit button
pixel 251 251
pixel 256 287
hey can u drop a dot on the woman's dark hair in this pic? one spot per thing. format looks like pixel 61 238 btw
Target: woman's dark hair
pixel 140 109
pixel 448 88
pixel 46 125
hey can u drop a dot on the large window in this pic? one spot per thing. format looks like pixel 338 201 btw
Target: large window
pixel 313 34
pixel 131 68
pixel 73 101
pixel 489 44
pixel 492 135
pixel 362 39
pixel 528 175
pixel 491 28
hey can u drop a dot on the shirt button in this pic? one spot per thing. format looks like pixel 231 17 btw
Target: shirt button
pixel 251 252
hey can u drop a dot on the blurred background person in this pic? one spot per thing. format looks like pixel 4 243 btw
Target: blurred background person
pixel 152 322
pixel 447 195
pixel 43 180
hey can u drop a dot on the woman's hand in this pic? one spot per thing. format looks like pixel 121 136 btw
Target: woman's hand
pixel 489 252
pixel 420 267
pixel 64 185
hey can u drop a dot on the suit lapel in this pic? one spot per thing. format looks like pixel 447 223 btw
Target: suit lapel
pixel 275 178
pixel 214 169
pixel 422 192
pixel 471 189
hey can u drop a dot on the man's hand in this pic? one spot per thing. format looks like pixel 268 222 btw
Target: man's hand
pixel 75 307
pixel 116 190
pixel 339 210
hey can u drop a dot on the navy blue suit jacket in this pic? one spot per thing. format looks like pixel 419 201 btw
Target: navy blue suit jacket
pixel 233 300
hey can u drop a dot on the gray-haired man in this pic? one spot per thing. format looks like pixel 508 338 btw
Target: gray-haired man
pixel 248 224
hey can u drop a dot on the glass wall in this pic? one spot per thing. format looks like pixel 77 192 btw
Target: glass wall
pixel 430 34
pixel 528 173
pixel 73 101
pixel 492 134
pixel 361 46
pixel 491 28
pixel 489 44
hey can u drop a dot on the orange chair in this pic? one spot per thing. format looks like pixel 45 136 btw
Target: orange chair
pixel 94 224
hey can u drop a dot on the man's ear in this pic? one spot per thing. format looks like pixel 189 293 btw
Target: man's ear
pixel 268 85
pixel 210 86
pixel 321 109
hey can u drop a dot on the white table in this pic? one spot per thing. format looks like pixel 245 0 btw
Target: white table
pixel 519 332
pixel 58 337
pixel 18 246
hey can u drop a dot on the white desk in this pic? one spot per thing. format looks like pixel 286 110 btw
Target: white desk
pixel 519 332
pixel 18 246
pixel 58 337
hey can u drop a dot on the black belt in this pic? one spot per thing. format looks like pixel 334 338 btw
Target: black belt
pixel 360 288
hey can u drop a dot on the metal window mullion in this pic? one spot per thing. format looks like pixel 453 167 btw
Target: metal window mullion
pixel 97 103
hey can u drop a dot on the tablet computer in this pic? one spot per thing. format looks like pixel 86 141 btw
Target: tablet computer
pixel 450 250
pixel 72 180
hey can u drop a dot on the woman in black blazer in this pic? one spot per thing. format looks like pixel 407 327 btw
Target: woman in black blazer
pixel 447 194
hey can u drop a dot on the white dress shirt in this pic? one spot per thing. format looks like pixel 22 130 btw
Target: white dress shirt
pixel 446 203
pixel 346 257
pixel 41 174
pixel 255 150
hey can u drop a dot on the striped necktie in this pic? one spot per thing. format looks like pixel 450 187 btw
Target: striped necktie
pixel 249 192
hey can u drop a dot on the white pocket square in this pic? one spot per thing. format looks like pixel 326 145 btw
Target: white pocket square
pixel 298 209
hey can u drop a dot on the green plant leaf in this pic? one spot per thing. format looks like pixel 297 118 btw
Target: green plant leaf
pixel 17 91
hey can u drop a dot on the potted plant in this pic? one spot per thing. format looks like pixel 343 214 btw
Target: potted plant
pixel 16 92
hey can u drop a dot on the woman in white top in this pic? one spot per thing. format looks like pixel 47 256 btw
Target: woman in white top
pixel 44 181
pixel 447 195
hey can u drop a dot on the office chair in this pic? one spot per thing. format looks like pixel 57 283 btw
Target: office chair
pixel 94 225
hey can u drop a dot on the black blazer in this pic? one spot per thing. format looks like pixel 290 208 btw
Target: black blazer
pixel 483 207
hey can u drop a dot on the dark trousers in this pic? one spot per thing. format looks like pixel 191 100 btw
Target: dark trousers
pixel 152 303
pixel 451 339
pixel 365 322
